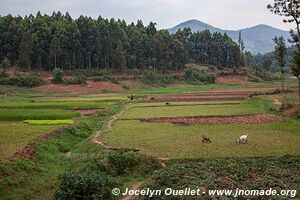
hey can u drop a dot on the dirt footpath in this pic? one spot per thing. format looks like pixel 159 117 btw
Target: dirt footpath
pixel 236 119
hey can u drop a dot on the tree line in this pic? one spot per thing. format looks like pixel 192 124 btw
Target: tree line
pixel 44 42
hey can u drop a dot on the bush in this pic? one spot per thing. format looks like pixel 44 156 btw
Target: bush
pixel 104 75
pixel 126 87
pixel 95 179
pixel 269 76
pixel 79 79
pixel 121 162
pixel 195 75
pixel 149 77
pixel 114 80
pixel 85 185
pixel 58 75
pixel 22 81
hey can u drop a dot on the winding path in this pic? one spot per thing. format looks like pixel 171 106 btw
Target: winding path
pixel 115 117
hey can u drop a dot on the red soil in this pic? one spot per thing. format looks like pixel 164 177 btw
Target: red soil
pixel 237 119
pixel 291 111
pixel 90 88
pixel 231 79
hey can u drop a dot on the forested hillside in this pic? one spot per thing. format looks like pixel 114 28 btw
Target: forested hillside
pixel 44 42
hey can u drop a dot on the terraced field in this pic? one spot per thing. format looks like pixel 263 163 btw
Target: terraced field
pixel 16 135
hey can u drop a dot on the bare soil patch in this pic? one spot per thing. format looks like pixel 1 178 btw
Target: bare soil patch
pixel 90 88
pixel 134 186
pixel 291 110
pixel 237 119
pixel 232 80
pixel 90 112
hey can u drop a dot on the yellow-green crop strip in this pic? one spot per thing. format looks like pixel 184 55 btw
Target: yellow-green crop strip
pixel 48 122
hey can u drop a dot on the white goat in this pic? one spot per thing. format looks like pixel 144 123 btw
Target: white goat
pixel 243 139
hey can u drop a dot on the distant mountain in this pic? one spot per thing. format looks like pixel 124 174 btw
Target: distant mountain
pixel 257 39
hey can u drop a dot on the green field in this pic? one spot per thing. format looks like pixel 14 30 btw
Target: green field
pixel 19 114
pixel 15 135
pixel 247 107
pixel 180 142
pixel 56 105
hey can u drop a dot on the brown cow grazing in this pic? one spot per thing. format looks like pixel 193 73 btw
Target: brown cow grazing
pixel 205 139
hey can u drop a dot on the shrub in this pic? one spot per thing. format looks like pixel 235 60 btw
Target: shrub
pixel 58 75
pixel 114 80
pixel 126 87
pixel 149 77
pixel 100 78
pixel 102 75
pixel 22 81
pixel 121 162
pixel 195 75
pixel 79 79
pixel 269 76
pixel 85 185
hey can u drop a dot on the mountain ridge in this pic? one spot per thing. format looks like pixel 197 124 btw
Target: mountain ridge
pixel 257 39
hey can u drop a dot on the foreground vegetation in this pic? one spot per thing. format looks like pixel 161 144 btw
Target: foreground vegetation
pixel 257 174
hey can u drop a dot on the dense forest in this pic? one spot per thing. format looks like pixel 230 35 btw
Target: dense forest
pixel 43 42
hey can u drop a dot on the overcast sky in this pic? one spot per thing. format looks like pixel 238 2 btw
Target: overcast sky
pixel 225 14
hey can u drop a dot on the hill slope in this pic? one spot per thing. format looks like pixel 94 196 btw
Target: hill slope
pixel 258 39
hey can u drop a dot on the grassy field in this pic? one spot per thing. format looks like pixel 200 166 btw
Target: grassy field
pixel 15 135
pixel 247 107
pixel 180 142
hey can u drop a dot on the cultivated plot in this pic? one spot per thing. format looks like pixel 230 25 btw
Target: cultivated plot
pixel 180 142
pixel 15 135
